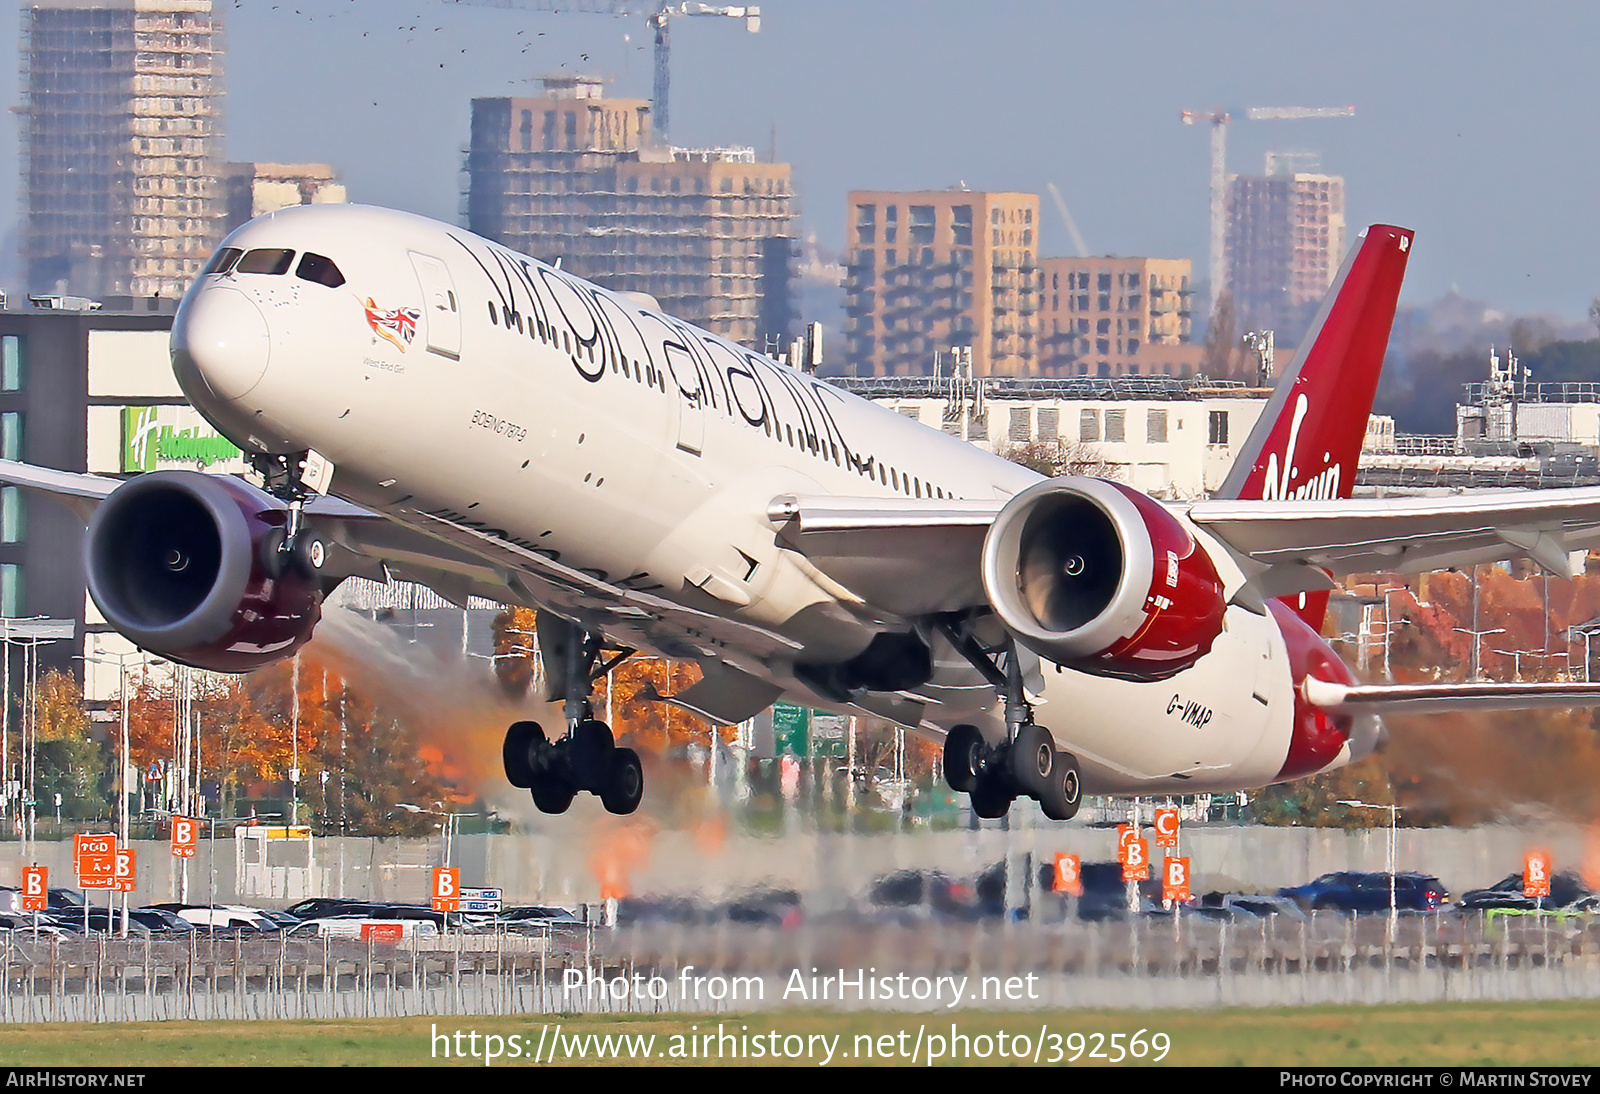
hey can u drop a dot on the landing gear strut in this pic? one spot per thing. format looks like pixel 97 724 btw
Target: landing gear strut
pixel 587 758
pixel 296 546
pixel 1027 763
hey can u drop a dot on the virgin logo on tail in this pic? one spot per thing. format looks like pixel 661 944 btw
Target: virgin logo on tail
pixel 1275 485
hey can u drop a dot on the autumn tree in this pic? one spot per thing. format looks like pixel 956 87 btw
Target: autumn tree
pixel 1317 802
pixel 1469 767
pixel 69 761
pixel 1053 459
pixel 514 666
pixel 1221 355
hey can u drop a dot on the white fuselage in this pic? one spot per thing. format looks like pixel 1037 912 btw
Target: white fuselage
pixel 593 429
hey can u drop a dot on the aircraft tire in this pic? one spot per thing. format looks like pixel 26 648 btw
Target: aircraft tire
pixel 1033 759
pixel 1064 794
pixel 551 793
pixel 589 749
pixel 523 739
pixel 271 554
pixel 308 554
pixel 990 798
pixel 963 758
pixel 624 787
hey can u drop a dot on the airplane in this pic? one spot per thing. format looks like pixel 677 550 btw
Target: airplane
pixel 423 404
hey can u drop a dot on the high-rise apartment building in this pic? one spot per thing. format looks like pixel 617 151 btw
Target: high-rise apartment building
pixel 932 271
pixel 1109 316
pixel 256 189
pixel 121 145
pixel 1284 243
pixel 574 176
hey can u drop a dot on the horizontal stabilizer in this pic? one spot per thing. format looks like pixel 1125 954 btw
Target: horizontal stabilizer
pixel 1397 699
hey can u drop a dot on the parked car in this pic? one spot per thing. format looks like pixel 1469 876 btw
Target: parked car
pixel 1252 905
pixel 219 918
pixel 1567 891
pixel 1306 895
pixel 1372 892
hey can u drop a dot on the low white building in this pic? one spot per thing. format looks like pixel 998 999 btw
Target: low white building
pixel 1171 438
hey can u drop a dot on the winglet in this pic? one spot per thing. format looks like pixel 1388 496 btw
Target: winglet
pixel 1307 441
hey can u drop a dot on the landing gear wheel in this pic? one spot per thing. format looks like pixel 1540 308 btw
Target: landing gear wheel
pixel 523 740
pixel 964 757
pixel 270 553
pixel 624 785
pixel 309 553
pixel 552 794
pixel 1033 758
pixel 589 749
pixel 1064 793
pixel 990 798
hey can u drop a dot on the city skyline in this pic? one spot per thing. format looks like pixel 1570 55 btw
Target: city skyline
pixel 1459 129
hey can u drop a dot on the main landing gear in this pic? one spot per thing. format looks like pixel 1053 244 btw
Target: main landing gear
pixel 1030 765
pixel 1026 764
pixel 587 758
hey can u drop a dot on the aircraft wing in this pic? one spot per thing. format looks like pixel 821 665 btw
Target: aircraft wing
pixel 1292 543
pixel 458 562
pixel 909 557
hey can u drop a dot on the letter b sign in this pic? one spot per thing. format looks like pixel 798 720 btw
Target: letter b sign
pixel 446 889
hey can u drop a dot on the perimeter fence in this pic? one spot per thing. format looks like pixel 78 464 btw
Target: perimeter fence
pixel 1149 961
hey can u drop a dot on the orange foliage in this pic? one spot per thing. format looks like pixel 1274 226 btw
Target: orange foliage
pixel 618 847
pixel 1462 768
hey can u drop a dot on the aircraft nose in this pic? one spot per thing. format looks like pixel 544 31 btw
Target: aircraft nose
pixel 220 338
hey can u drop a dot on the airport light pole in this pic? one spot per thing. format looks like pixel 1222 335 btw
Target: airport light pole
pixel 1394 811
pixel 1477 642
pixel 121 661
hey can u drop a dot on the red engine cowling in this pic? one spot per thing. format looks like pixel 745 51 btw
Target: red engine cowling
pixel 176 562
pixel 1095 575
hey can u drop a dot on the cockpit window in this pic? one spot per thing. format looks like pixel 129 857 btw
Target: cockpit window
pixel 321 270
pixel 224 260
pixel 266 260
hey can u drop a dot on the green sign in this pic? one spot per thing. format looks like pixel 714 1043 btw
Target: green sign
pixel 154 437
pixel 791 730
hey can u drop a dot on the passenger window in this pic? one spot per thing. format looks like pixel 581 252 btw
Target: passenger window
pixel 266 260
pixel 321 270
pixel 223 260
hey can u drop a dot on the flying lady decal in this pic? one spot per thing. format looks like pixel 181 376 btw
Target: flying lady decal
pixel 398 325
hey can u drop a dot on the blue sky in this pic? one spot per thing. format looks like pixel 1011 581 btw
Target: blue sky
pixel 1472 121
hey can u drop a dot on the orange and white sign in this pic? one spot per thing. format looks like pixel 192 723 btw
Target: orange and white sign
pixel 35 888
pixel 95 858
pixel 1175 880
pixel 185 836
pixel 1069 875
pixel 1536 874
pixel 1135 858
pixel 125 868
pixel 446 889
pixel 1126 832
pixel 382 932
pixel 1167 828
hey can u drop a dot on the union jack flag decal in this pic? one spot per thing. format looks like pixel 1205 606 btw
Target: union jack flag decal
pixel 398 325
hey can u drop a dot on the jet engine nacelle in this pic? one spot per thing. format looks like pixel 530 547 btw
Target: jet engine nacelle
pixel 1097 576
pixel 187 566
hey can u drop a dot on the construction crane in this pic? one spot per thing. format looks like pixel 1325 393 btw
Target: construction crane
pixel 1220 121
pixel 658 17
pixel 1072 225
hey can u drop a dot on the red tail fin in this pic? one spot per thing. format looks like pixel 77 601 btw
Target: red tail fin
pixel 1308 440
